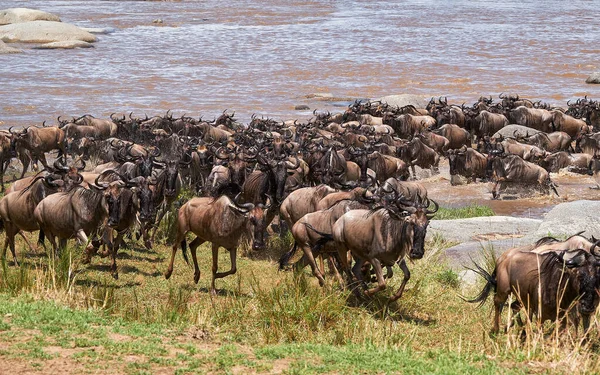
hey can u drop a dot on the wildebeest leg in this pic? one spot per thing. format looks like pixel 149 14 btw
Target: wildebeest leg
pixel 499 300
pixel 42 158
pixel 406 272
pixel 114 250
pixel 412 167
pixel 313 264
pixel 146 235
pixel 26 241
pixel 163 211
pixel 495 189
pixel 182 229
pixel 358 274
pixel 338 276
pixel 193 247
pixel 380 280
pixel 219 275
pixel 344 264
pixel 11 232
pixel 25 159
pixel 62 245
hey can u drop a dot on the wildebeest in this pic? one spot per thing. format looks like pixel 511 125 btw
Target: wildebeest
pixel 411 191
pixel 301 202
pixel 457 136
pixel 487 123
pixel 575 162
pixel 547 284
pixel 220 221
pixel 553 142
pixel 525 151
pixel 416 153
pixel 16 208
pixel 568 124
pixel 79 213
pixel 306 232
pixel 407 125
pixel 467 162
pixel 514 169
pixel 535 118
pixel 38 141
pixel 383 237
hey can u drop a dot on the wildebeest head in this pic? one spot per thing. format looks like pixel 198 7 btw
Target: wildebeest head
pixel 112 195
pixel 144 193
pixel 256 215
pixel 112 192
pixel 418 219
pixel 583 272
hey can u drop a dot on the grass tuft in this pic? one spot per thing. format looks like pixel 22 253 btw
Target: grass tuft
pixel 447 213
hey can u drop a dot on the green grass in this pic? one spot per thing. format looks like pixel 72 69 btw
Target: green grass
pixel 262 320
pixel 474 210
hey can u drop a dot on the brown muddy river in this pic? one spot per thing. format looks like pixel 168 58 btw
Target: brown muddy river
pixel 265 57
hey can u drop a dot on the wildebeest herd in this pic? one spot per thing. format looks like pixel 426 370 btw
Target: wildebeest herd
pixel 338 182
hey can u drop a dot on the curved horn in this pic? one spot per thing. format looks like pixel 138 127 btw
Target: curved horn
pixel 435 205
pixel 293 166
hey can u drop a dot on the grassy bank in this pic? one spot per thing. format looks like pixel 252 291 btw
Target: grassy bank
pixel 58 315
pixel 474 210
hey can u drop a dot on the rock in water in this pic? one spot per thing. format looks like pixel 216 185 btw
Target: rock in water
pixel 67 44
pixel 4 49
pixel 593 78
pixel 17 15
pixel 43 32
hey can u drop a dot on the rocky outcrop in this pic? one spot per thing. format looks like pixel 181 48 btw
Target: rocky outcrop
pixel 515 130
pixel 43 32
pixel 482 228
pixel 567 219
pixel 418 101
pixel 18 15
pixel 67 44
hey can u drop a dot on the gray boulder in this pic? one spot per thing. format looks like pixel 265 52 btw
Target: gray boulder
pixel 418 101
pixel 482 228
pixel 463 255
pixel 593 78
pixel 43 32
pixel 67 44
pixel 17 15
pixel 521 131
pixel 4 49
pixel 568 218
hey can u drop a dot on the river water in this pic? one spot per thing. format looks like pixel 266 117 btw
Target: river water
pixel 265 57
pixel 252 57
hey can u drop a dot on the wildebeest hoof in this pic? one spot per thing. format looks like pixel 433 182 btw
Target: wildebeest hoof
pixel 148 245
pixel 196 278
pixel 167 275
pixel 115 275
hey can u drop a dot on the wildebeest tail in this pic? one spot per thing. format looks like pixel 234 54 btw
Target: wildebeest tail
pixel 489 285
pixel 285 258
pixel 326 236
pixel 184 251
